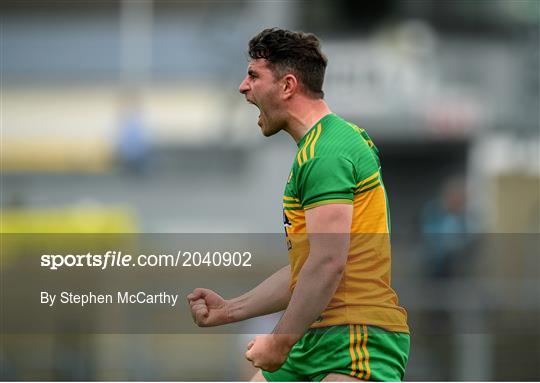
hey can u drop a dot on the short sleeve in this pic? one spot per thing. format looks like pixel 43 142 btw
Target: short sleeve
pixel 324 180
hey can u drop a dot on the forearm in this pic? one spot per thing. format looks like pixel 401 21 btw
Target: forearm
pixel 270 296
pixel 317 283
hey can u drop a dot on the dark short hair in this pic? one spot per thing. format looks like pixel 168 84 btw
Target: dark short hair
pixel 295 52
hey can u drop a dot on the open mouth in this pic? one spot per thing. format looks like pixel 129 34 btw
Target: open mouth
pixel 251 102
pixel 259 121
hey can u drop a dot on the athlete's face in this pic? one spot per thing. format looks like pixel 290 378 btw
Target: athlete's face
pixel 262 89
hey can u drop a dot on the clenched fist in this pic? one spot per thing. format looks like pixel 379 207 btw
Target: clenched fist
pixel 269 352
pixel 208 308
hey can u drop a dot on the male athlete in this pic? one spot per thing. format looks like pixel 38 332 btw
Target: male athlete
pixel 342 321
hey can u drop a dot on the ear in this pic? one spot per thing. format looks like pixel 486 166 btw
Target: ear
pixel 289 85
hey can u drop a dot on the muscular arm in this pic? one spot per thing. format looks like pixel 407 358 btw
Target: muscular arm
pixel 328 229
pixel 270 296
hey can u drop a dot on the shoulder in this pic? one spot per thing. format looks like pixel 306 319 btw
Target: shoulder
pixel 339 137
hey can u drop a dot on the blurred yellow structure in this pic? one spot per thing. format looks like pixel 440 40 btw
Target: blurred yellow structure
pixel 68 220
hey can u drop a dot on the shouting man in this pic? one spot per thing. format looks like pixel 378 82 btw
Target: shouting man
pixel 342 320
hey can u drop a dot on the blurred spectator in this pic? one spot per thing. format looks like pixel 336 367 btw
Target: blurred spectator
pixel 443 225
pixel 133 143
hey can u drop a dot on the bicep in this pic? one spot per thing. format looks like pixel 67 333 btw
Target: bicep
pixel 328 228
pixel 331 218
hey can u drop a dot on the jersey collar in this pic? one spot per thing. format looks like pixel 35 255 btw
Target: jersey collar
pixel 321 121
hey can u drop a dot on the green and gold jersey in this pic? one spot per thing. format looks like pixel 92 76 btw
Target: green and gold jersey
pixel 337 162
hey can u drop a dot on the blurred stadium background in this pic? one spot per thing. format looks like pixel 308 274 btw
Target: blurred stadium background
pixel 124 116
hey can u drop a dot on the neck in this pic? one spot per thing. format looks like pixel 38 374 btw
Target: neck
pixel 304 115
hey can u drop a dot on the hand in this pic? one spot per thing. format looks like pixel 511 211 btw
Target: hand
pixel 269 352
pixel 208 308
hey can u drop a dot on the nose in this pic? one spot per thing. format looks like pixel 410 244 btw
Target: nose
pixel 244 86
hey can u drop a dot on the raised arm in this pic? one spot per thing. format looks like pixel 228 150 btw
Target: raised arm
pixel 329 232
pixel 328 229
pixel 272 295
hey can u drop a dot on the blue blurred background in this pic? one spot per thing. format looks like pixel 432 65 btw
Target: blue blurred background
pixel 124 116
